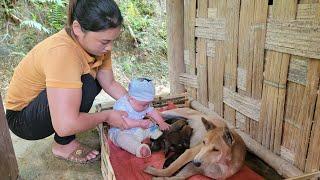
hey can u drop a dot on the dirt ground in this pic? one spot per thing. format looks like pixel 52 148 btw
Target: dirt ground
pixel 36 161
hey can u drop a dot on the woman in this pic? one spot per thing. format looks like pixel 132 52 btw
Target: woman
pixel 54 86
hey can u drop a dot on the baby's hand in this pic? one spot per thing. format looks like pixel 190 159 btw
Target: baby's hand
pixel 145 124
pixel 164 126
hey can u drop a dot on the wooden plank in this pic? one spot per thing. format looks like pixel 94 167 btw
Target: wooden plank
pixel 216 24
pixel 211 53
pixel 306 114
pixel 307 11
pixel 216 91
pixel 231 44
pixel 298 70
pixel 297 37
pixel 276 72
pixel 209 33
pixel 313 158
pixel 258 30
pixel 189 80
pixel 245 50
pixel 211 49
pixel 8 162
pixel 201 62
pixel 244 104
pixel 240 121
pixel 175 44
pixel 291 125
pixel 219 62
pixel 312 175
pixel 189 41
pixel 307 111
pixel 304 11
pixel 257 42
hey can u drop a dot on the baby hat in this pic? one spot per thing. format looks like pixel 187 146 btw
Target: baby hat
pixel 142 89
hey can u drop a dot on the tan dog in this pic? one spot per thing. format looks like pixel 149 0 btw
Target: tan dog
pixel 220 155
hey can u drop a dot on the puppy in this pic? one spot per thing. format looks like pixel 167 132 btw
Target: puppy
pixel 174 141
pixel 220 155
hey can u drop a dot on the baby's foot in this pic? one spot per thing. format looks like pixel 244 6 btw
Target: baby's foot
pixel 145 152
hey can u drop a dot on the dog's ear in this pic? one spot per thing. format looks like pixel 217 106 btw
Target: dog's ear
pixel 228 137
pixel 208 125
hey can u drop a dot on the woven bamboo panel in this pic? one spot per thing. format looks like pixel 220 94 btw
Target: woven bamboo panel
pixel 257 67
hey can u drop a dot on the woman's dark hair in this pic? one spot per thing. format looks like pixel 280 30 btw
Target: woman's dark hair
pixel 94 15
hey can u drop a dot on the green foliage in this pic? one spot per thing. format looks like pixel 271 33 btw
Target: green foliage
pixel 147 21
pixel 34 24
pixel 57 16
pixel 41 18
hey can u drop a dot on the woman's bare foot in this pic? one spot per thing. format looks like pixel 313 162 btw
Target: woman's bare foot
pixel 74 151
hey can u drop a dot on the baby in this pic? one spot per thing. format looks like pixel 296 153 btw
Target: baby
pixel 138 104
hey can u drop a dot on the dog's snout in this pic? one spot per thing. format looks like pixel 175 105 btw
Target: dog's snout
pixel 196 163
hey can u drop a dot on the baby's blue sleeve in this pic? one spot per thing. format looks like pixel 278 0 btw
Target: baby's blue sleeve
pixel 149 109
pixel 120 104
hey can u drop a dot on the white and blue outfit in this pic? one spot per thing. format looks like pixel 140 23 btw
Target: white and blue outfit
pixel 130 139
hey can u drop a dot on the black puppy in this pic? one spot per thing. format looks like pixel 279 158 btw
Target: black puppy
pixel 174 141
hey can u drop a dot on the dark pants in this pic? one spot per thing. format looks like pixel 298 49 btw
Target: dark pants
pixel 34 121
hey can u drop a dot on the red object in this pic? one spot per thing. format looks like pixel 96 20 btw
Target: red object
pixel 127 166
pixel 170 105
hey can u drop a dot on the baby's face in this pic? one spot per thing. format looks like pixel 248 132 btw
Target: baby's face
pixel 139 105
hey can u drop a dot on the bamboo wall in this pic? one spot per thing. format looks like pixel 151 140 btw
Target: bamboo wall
pixel 258 67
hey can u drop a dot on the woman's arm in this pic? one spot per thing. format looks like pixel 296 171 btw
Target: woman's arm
pixel 110 85
pixel 64 107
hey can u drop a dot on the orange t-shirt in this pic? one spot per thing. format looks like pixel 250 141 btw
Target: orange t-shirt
pixel 58 62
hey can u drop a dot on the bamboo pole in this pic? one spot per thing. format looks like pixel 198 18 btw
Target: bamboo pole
pixel 175 15
pixel 189 42
pixel 230 68
pixel 274 88
pixel 201 60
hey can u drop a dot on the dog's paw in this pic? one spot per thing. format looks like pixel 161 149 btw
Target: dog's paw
pixel 150 170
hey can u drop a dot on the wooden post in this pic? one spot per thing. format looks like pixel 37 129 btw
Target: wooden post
pixel 8 162
pixel 175 44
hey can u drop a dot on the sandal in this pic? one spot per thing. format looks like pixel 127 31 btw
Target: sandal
pixel 79 155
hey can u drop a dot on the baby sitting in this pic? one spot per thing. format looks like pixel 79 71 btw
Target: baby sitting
pixel 137 103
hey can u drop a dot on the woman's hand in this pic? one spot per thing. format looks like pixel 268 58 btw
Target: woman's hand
pixel 115 118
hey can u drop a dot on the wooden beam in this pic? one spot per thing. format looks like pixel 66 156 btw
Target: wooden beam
pixel 8 162
pixel 175 23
